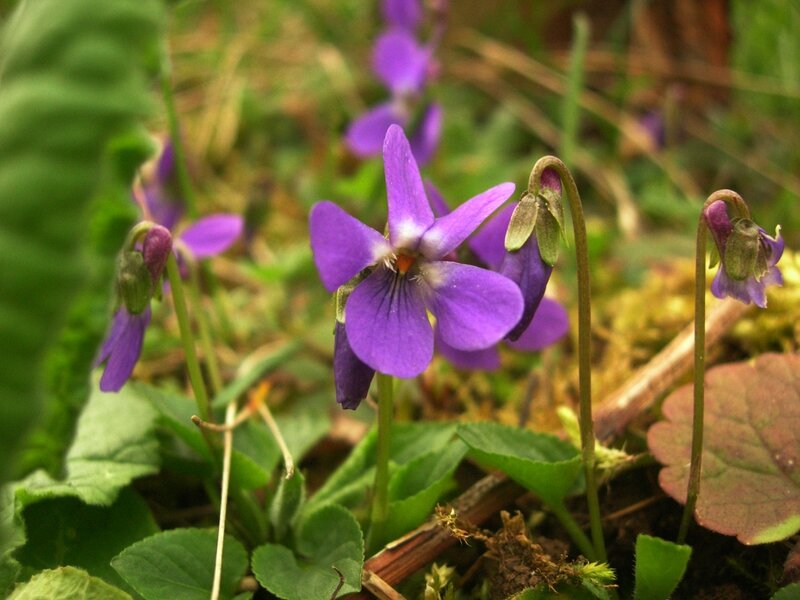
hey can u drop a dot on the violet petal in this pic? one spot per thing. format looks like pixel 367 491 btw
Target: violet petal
pixel 126 350
pixel 437 201
pixel 550 323
pixel 166 163
pixel 489 242
pixel 487 359
pixel 365 135
pixel 447 233
pixel 474 307
pixel 400 62
pixel 402 13
pixel 526 268
pixel 387 325
pixel 342 245
pixel 425 139
pixel 212 235
pixel 352 377
pixel 118 324
pixel 410 214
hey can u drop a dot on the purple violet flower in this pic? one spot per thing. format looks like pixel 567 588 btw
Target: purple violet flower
pixel 386 318
pixel 748 256
pixel 550 321
pixel 206 237
pixel 404 66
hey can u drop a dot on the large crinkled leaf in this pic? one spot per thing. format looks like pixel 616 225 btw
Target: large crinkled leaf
pixel 72 81
pixel 179 565
pixel 67 582
pixel 329 540
pixel 750 480
pixel 64 531
pixel 541 462
pixel 114 444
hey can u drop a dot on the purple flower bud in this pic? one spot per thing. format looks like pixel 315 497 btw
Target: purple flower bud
pixel 526 268
pixel 747 256
pixel 352 377
pixel 552 180
pixel 156 248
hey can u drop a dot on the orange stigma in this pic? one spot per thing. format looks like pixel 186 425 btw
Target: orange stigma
pixel 404 262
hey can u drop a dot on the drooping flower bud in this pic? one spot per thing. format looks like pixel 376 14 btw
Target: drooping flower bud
pixel 748 256
pixel 532 243
pixel 156 248
pixel 134 283
pixel 351 375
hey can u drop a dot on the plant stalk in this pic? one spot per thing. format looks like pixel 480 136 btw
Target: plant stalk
pixel 574 530
pixel 698 412
pixel 205 330
pixel 195 375
pixel 584 340
pixel 380 494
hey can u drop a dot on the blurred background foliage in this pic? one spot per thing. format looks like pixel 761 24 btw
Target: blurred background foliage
pixel 672 100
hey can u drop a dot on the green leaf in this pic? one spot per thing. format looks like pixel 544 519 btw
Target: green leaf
pixel 415 488
pixel 660 566
pixel 114 444
pixel 329 540
pixel 64 531
pixel 67 582
pixel 255 455
pixel 72 80
pixel 540 462
pixel 179 565
pixel 750 481
pixel 285 506
pixel 349 483
pixel 790 592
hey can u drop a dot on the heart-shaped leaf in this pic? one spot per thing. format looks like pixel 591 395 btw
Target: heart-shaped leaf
pixel 114 444
pixel 541 462
pixel 179 565
pixel 660 566
pixel 329 543
pixel 790 592
pixel 750 480
pixel 67 582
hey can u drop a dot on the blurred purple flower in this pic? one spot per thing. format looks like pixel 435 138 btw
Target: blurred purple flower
pixel 748 256
pixel 386 314
pixel 550 322
pixel 404 66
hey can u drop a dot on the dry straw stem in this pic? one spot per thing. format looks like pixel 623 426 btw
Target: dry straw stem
pixel 663 370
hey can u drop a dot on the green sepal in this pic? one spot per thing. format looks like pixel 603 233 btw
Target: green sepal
pixel 548 236
pixel 343 293
pixel 742 250
pixel 134 283
pixel 523 220
pixel 552 200
pixel 713 256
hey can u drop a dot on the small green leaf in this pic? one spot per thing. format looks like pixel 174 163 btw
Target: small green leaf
pixel 349 483
pixel 114 444
pixel 179 565
pixel 415 488
pixel 286 505
pixel 329 540
pixel 64 531
pixel 67 582
pixel 660 566
pixel 541 462
pixel 790 592
pixel 750 481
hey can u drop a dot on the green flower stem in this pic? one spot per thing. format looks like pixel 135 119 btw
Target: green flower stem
pixel 205 330
pixel 584 333
pixel 380 493
pixel 695 464
pixel 574 530
pixel 195 376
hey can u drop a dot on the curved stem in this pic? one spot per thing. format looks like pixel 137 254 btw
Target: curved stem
pixel 695 464
pixel 380 494
pixel 195 375
pixel 573 530
pixel 584 340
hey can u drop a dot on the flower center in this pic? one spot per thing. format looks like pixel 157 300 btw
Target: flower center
pixel 404 262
